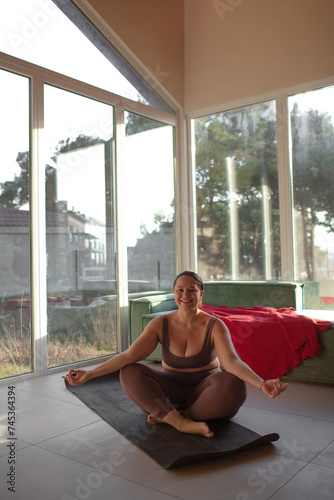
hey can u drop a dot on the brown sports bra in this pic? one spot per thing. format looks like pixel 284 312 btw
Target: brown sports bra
pixel 203 358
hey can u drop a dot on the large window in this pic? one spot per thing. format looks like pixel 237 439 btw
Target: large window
pixel 15 313
pixel 238 230
pixel 241 233
pixel 86 190
pixel 80 236
pixel 149 203
pixel 312 161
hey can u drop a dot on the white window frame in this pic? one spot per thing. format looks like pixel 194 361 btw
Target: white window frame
pixel 184 256
pixel 38 77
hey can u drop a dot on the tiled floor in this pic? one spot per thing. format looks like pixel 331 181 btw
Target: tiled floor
pixel 64 451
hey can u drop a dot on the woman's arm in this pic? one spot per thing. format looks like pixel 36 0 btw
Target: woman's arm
pixel 143 346
pixel 232 364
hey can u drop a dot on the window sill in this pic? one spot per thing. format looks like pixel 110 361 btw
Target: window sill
pixel 317 314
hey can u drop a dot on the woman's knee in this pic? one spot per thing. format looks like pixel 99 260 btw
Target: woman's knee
pixel 134 373
pixel 240 385
pixel 235 385
pixel 129 372
pixel 233 392
pixel 238 392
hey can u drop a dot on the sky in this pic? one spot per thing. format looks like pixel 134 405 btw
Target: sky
pixel 14 129
pixel 30 31
pixel 147 162
pixel 322 100
pixel 38 32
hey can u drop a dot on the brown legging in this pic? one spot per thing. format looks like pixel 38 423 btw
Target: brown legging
pixel 199 396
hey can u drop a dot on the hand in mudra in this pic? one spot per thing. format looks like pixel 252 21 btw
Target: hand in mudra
pixel 76 377
pixel 273 388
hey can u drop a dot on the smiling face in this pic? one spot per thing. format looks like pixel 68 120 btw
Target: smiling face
pixel 187 293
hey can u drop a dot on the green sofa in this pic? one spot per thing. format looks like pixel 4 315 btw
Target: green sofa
pixel 275 294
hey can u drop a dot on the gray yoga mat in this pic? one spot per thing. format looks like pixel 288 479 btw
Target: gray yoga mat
pixel 167 446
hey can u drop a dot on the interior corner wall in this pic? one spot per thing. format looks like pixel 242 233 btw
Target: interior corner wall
pixel 154 31
pixel 235 49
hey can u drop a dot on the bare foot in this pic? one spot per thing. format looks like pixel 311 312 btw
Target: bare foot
pixel 182 424
pixel 191 427
pixel 153 420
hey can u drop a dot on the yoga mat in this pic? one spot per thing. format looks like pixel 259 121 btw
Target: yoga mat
pixel 167 446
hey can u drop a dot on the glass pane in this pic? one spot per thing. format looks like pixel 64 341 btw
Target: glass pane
pixel 80 227
pixel 312 159
pixel 238 232
pixel 39 32
pixel 149 210
pixel 15 313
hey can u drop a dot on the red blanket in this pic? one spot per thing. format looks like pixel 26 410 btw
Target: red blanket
pixel 271 341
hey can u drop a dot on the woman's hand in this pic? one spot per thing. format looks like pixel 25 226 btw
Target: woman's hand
pixel 77 377
pixel 273 388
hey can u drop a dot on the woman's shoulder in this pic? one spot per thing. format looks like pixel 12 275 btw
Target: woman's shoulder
pixel 157 321
pixel 154 325
pixel 205 317
pixel 219 327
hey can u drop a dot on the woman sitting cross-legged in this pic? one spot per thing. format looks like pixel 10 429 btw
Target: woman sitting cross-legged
pixel 191 389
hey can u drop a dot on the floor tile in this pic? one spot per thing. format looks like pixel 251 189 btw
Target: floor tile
pixel 325 457
pixel 49 386
pixel 90 444
pixel 42 475
pixel 98 445
pixel 301 438
pixel 300 398
pixel 252 474
pixel 7 444
pixel 313 482
pixel 66 451
pixel 39 418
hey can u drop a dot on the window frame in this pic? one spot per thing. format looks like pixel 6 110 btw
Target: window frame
pixel 283 156
pixel 39 76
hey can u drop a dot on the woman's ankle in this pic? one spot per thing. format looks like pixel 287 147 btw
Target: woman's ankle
pixel 186 425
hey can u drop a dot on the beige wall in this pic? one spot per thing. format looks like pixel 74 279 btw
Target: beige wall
pixel 240 48
pixel 153 31
pixel 209 52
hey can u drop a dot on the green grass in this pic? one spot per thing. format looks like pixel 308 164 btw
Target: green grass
pixel 73 335
pixel 17 360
